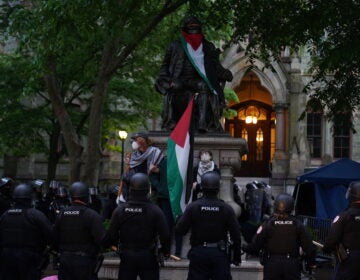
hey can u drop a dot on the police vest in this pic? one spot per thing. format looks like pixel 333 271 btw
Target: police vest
pixel 351 230
pixel 74 232
pixel 283 236
pixel 19 232
pixel 137 226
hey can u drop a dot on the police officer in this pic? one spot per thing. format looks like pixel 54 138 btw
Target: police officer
pixel 79 233
pixel 40 200
pixel 24 234
pixel 95 201
pixel 5 194
pixel 210 220
pixel 280 239
pixel 60 202
pixel 345 230
pixel 136 226
pixel 110 202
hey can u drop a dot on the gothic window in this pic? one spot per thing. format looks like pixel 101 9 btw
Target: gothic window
pixel 342 139
pixel 314 135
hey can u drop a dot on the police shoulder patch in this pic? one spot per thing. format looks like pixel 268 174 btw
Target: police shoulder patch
pixel 259 230
pixel 336 219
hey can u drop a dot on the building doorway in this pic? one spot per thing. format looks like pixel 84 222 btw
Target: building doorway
pixel 255 122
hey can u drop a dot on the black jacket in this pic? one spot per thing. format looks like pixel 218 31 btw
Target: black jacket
pixel 172 68
pixel 25 228
pixel 345 229
pixel 210 220
pixel 79 229
pixel 281 236
pixel 137 223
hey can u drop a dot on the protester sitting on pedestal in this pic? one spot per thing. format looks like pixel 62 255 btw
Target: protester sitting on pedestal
pixel 205 165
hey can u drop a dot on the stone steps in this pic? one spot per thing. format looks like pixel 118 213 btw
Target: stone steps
pixel 177 270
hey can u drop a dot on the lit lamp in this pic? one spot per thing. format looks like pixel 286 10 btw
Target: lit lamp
pixel 251 114
pixel 122 134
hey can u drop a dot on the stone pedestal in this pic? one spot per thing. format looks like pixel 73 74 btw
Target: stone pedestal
pixel 280 166
pixel 226 150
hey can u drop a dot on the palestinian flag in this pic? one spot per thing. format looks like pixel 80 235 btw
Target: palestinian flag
pixel 179 151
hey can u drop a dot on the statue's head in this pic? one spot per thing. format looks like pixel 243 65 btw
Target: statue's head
pixel 190 24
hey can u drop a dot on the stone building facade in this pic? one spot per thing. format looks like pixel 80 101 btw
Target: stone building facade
pixel 271 100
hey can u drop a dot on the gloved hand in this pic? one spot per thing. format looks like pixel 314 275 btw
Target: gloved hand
pixel 176 85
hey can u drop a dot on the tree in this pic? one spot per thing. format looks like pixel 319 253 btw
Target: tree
pixel 328 29
pixel 95 53
pixel 78 47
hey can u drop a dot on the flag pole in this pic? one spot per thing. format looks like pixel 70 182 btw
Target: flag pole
pixel 190 167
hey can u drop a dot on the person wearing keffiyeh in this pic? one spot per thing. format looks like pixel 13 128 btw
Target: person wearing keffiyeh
pixel 144 159
pixel 206 164
pixel 190 68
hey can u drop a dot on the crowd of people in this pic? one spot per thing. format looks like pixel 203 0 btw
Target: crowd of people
pixel 69 222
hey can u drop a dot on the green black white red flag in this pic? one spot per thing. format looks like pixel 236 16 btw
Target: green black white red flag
pixel 179 162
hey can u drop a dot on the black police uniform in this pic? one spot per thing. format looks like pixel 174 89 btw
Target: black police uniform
pixel 79 233
pixel 136 225
pixel 210 220
pixel 5 194
pixel 96 204
pixel 56 206
pixel 345 229
pixel 280 238
pixel 110 203
pixel 5 203
pixel 24 234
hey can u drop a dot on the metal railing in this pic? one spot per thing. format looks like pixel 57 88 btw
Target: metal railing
pixel 318 229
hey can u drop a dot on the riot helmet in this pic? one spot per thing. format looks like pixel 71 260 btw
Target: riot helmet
pixel 113 190
pixel 23 191
pixel 61 192
pixel 37 185
pixel 93 190
pixel 79 191
pixel 284 204
pixel 210 181
pixel 139 182
pixel 5 181
pixel 354 191
pixel 54 185
pixel 191 25
pixel 251 186
pixel 6 184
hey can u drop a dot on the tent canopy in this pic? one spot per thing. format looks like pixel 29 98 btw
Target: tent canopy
pixel 329 185
pixel 342 171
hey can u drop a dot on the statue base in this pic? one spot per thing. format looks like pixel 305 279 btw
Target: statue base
pixel 226 150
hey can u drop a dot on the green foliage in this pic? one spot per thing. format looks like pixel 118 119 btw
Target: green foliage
pixel 230 96
pixel 23 124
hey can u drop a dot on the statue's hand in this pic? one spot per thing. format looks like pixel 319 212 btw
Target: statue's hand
pixel 228 76
pixel 176 85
